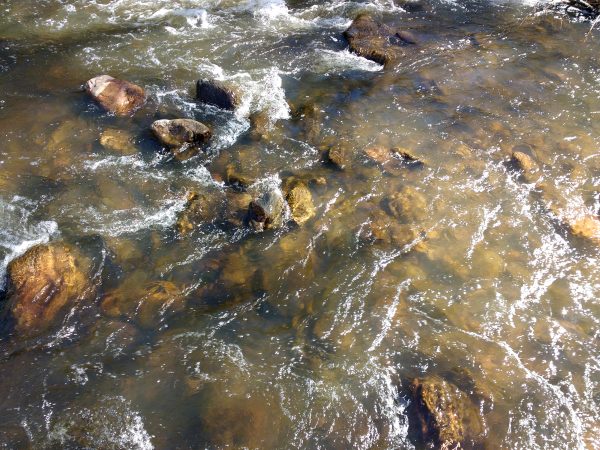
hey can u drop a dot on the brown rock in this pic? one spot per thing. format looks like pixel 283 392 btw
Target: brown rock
pixel 44 283
pixel 236 211
pixel 375 41
pixel 218 94
pixel 407 205
pixel 117 96
pixel 444 414
pixel 175 133
pixel 338 156
pixel 118 141
pixel 199 209
pixel 585 226
pixel 147 304
pixel 301 204
pixel 522 161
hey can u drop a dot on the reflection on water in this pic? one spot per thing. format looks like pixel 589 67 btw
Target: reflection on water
pixel 459 268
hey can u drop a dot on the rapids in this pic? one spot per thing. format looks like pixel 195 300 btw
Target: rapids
pixel 306 336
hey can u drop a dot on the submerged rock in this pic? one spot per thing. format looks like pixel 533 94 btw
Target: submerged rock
pixel 375 41
pixel 44 282
pixel 584 226
pixel 236 211
pixel 394 159
pixel 199 209
pixel 218 94
pixel 236 179
pixel 117 96
pixel 177 132
pixel 407 205
pixel 445 415
pixel 338 156
pixel 148 303
pixel 301 204
pixel 267 211
pixel 119 141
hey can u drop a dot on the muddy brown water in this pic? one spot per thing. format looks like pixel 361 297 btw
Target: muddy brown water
pixel 304 337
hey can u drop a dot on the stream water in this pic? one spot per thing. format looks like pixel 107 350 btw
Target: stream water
pixel 306 336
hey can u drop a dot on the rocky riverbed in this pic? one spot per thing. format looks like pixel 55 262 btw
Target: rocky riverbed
pixel 299 224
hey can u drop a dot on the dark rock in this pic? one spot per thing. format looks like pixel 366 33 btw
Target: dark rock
pixel 45 282
pixel 445 416
pixel 375 41
pixel 117 96
pixel 218 94
pixel 267 211
pixel 175 133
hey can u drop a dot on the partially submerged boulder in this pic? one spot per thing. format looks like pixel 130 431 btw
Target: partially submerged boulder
pixel 44 283
pixel 445 416
pixel 117 96
pixel 217 93
pixel 375 41
pixel 177 132
pixel 267 211
pixel 301 204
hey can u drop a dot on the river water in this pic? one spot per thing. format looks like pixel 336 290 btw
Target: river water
pixel 307 336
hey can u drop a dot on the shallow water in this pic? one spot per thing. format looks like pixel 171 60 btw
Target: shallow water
pixel 305 337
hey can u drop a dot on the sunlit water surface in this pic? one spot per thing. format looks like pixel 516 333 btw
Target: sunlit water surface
pixel 305 337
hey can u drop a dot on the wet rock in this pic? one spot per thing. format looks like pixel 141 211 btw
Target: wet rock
pixel 119 141
pixel 392 160
pixel 338 156
pixel 199 209
pixel 236 211
pixel 117 96
pixel 260 125
pixel 236 179
pixel 408 205
pixel 218 94
pixel 375 41
pixel 45 282
pixel 445 416
pixel 267 211
pixel 301 204
pixel 585 226
pixel 175 133
pixel 234 422
pixel 522 161
pixel 147 303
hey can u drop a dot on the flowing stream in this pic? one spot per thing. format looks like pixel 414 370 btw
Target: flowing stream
pixel 306 336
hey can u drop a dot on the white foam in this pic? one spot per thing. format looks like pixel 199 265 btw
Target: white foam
pixel 19 233
pixel 339 61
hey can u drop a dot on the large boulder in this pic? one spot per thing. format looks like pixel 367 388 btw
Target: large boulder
pixel 117 96
pixel 445 416
pixel 44 283
pixel 175 133
pixel 375 41
pixel 218 94
pixel 267 211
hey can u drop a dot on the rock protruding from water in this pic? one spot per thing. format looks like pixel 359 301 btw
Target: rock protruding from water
pixel 45 282
pixel 177 132
pixel 217 93
pixel 267 211
pixel 375 41
pixel 445 415
pixel 301 204
pixel 117 96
